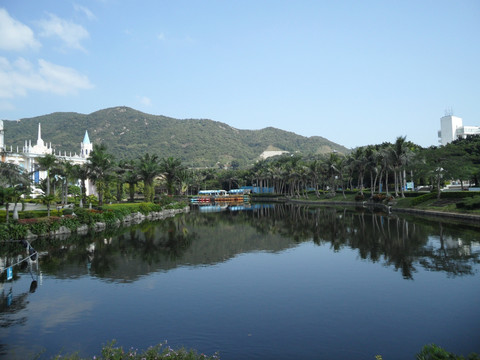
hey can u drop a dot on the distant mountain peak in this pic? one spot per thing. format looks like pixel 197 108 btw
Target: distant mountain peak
pixel 129 134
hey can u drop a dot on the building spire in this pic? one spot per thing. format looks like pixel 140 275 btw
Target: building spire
pixel 86 147
pixel 86 139
pixel 40 143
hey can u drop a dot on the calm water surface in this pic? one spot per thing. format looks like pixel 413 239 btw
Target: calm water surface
pixel 265 282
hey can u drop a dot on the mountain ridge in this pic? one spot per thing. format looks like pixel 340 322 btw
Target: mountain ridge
pixel 129 133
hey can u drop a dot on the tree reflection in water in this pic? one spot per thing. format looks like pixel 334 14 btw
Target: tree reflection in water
pixel 202 238
pixel 397 241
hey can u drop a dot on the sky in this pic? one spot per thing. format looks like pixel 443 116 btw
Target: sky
pixel 354 72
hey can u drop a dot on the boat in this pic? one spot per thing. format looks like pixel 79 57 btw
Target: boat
pixel 221 196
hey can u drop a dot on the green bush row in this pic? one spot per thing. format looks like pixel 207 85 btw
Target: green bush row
pixel 108 214
pixel 471 203
pixel 458 194
pixel 422 198
pixel 444 195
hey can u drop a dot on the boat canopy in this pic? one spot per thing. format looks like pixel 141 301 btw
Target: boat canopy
pixel 212 192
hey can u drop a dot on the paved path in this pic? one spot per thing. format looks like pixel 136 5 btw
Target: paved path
pixel 28 207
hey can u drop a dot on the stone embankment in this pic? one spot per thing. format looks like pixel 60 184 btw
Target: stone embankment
pixel 131 219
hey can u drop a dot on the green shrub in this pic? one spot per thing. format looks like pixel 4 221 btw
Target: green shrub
pixel 4 235
pixel 471 203
pixel 70 222
pixel 378 198
pixel 39 227
pixel 85 216
pixel 27 215
pixel 67 211
pixel 109 217
pixel 359 197
pixel 17 231
pixel 434 352
pixel 422 198
pixel 458 194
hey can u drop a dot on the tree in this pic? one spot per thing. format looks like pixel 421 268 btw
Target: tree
pixel 360 162
pixel 14 182
pixel 148 169
pixel 80 172
pixel 100 165
pixel 184 179
pixel 401 156
pixel 170 169
pixel 131 177
pixel 335 166
pixel 48 200
pixel 46 163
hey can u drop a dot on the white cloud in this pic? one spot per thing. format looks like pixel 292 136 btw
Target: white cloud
pixel 70 33
pixel 145 101
pixel 58 311
pixel 14 35
pixel 161 36
pixel 21 76
pixel 85 11
pixel 6 106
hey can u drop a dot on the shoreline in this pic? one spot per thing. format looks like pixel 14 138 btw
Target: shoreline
pixel 131 219
pixel 387 208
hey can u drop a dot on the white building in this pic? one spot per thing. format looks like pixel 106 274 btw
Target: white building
pixel 452 128
pixel 27 156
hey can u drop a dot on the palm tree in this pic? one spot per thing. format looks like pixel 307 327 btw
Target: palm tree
pixel 148 169
pixel 48 200
pixel 386 159
pixel 80 172
pixel 400 158
pixel 170 169
pixel 121 170
pixel 14 181
pixel 360 163
pixel 372 166
pixel 335 168
pixel 100 165
pixel 46 163
pixel 131 177
pixel 185 179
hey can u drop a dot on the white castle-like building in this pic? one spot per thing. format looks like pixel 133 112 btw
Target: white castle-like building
pixel 452 128
pixel 27 156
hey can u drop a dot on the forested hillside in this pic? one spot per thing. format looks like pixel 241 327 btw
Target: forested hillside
pixel 129 133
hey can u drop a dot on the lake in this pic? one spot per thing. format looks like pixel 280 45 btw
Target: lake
pixel 252 282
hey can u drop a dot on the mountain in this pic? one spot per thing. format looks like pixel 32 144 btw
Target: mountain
pixel 129 133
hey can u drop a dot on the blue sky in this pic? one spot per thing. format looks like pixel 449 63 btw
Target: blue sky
pixel 354 72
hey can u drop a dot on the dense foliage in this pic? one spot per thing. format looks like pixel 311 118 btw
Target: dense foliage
pixel 379 173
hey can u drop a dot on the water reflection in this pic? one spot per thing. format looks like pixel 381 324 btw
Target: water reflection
pixel 317 287
pixel 14 300
pixel 211 236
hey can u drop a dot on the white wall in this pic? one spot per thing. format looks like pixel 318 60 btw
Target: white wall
pixel 449 125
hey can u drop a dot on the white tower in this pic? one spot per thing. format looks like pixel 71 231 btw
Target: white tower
pixel 86 146
pixel 449 125
pixel 40 147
